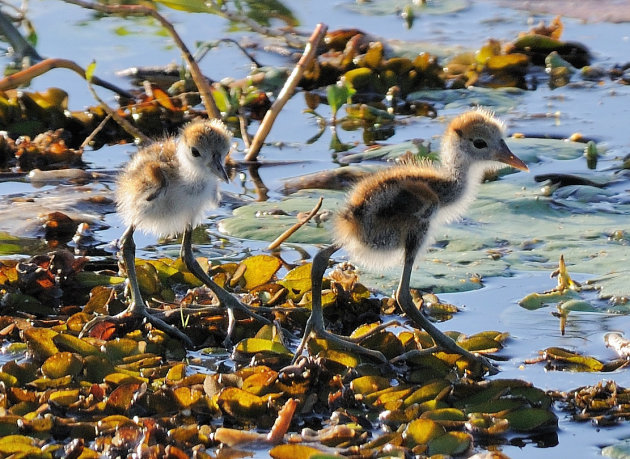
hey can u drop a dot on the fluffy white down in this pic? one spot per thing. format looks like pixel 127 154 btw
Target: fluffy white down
pixel 172 210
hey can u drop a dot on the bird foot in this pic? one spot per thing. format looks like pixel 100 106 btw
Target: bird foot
pixel 135 313
pixel 344 342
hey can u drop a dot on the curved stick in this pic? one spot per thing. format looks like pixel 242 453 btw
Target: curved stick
pixel 140 10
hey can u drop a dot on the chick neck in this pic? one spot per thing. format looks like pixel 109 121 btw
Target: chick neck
pixel 462 174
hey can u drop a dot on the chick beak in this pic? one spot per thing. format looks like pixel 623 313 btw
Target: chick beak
pixel 504 155
pixel 220 171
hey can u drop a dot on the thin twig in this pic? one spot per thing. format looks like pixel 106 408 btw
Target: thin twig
pixel 26 75
pixel 205 47
pixel 290 38
pixel 93 134
pixel 286 92
pixel 126 125
pixel 284 236
pixel 139 10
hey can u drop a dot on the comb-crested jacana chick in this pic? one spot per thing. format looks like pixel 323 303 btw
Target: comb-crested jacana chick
pixel 390 215
pixel 165 190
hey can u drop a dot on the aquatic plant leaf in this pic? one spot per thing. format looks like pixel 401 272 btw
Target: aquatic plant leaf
pixel 563 355
pixel 89 71
pixel 119 348
pixel 293 451
pixel 368 384
pixel 122 397
pixel 451 444
pixel 19 446
pixel 62 364
pixel 426 392
pixel 422 431
pixel 97 367
pixel 297 281
pixel 445 414
pixel 531 419
pixel 259 270
pixel 190 6
pixel 255 345
pixel 40 342
pixel 66 342
pixel 389 8
pixel 64 397
pixel 338 95
pixel 239 403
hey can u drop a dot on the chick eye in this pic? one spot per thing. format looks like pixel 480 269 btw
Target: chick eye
pixel 195 152
pixel 480 143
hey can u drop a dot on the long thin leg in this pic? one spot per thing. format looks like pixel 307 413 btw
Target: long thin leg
pixel 224 297
pixel 315 324
pixel 137 306
pixel 403 296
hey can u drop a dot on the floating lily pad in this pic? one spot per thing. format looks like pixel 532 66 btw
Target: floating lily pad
pixel 386 8
pixel 451 444
pixel 531 419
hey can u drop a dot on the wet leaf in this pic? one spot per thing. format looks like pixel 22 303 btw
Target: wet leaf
pixel 64 397
pixel 369 384
pixel 259 270
pixel 297 281
pixel 122 397
pixel 40 342
pixel 62 364
pixel 451 444
pixel 294 452
pixel 239 403
pixel 255 345
pixel 563 355
pixel 426 392
pixel 422 431
pixel 531 419
pixel 66 342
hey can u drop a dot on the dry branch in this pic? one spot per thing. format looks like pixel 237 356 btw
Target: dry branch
pixel 286 92
pixel 26 75
pixel 126 125
pixel 140 10
pixel 284 236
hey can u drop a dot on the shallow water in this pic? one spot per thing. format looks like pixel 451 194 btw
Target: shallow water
pixel 600 111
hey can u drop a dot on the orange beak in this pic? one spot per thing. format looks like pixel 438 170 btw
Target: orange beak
pixel 505 156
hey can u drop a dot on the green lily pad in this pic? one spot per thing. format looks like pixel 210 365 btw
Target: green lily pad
pixel 451 444
pixel 531 419
pixel 388 8
pixel 499 99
